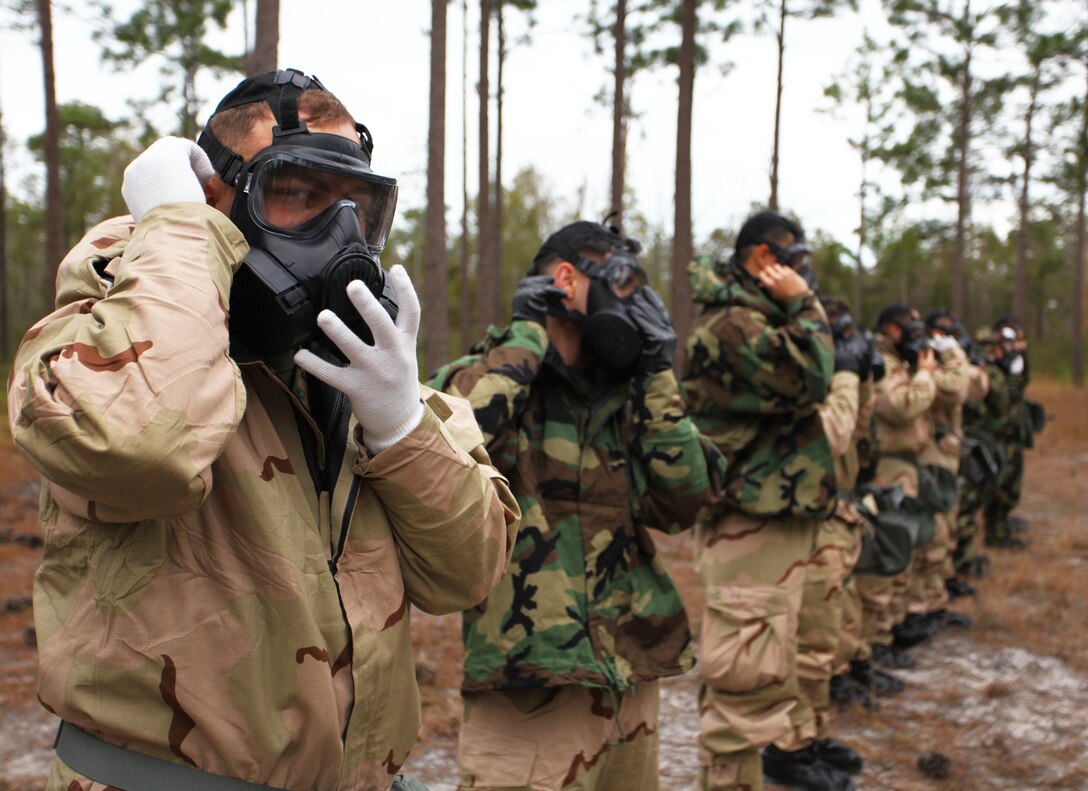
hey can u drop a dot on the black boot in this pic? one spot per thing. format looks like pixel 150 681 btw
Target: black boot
pixel 950 618
pixel 1007 542
pixel 837 755
pixel 1018 524
pixel 881 683
pixel 892 656
pixel 914 629
pixel 978 566
pixel 847 691
pixel 802 769
pixel 957 588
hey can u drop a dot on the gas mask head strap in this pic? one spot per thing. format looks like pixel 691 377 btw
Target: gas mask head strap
pixel 280 89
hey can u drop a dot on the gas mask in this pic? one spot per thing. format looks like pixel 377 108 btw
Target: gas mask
pixel 608 331
pixel 912 340
pixel 798 258
pixel 315 217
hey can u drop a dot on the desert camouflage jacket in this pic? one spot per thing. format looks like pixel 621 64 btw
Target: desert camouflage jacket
pixel 952 380
pixel 839 415
pixel 220 587
pixel 903 400
pixel 756 375
pixel 587 600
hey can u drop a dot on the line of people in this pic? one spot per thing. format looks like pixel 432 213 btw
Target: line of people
pixel 818 463
pixel 246 490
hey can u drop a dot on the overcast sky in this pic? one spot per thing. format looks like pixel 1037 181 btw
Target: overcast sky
pixel 374 54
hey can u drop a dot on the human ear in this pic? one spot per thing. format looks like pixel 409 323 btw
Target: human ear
pixel 565 278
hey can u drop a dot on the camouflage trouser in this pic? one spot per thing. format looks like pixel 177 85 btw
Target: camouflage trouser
pixel 852 642
pixel 928 569
pixel 878 614
pixel 753 575
pixel 1007 494
pixel 890 471
pixel 819 628
pixel 968 510
pixel 568 738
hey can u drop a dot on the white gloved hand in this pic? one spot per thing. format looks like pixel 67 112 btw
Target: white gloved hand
pixel 171 170
pixel 1016 365
pixel 381 381
pixel 942 343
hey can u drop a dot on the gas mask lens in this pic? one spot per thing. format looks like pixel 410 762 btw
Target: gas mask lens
pixel 621 273
pixel 294 197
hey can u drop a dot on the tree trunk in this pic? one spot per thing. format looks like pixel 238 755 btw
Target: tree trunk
pixel 265 53
pixel 859 271
pixel 487 274
pixel 1079 265
pixel 5 316
pixel 619 113
pixel 772 204
pixel 1020 296
pixel 468 326
pixel 54 218
pixel 496 221
pixel 682 246
pixel 963 196
pixel 436 336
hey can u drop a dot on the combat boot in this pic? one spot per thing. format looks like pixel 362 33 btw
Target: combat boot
pixel 957 588
pixel 837 755
pixel 881 683
pixel 1018 524
pixel 913 630
pixel 847 691
pixel 802 769
pixel 1007 542
pixel 892 656
pixel 956 620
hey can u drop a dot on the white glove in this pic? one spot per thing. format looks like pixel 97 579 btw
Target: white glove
pixel 1016 365
pixel 381 381
pixel 171 170
pixel 942 343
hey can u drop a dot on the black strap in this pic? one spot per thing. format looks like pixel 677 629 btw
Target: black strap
pixel 131 771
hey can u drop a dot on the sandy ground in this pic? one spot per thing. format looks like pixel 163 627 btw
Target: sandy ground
pixel 1006 702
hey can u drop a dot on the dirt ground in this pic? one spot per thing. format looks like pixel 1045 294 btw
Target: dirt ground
pixel 1005 703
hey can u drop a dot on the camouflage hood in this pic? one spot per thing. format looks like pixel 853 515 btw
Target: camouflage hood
pixel 587 599
pixel 757 371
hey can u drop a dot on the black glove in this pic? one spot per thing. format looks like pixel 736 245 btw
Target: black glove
pixel 536 297
pixel 876 362
pixel 651 317
pixel 852 354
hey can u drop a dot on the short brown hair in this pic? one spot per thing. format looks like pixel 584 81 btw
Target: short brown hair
pixel 233 125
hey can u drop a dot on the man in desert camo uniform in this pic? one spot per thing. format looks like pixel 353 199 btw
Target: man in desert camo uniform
pixel 233 545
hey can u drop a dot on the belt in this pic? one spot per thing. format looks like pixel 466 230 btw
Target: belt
pixel 132 771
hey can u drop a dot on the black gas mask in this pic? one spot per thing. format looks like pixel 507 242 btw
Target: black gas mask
pixel 798 258
pixel 608 331
pixel 912 340
pixel 315 217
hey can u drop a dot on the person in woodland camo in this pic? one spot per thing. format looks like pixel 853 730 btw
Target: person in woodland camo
pixel 760 364
pixel 244 488
pixel 583 414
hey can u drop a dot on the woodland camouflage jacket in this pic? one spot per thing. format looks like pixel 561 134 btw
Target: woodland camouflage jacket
pixel 757 373
pixel 587 600
pixel 219 587
pixel 997 413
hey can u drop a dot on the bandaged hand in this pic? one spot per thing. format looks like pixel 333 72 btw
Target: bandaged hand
pixel 380 381
pixel 171 170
